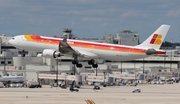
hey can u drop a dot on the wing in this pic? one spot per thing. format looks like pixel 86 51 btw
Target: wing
pixel 66 49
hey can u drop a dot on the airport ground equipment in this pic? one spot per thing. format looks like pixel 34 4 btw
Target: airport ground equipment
pixel 74 90
pixel 177 80
pixel 1 85
pixel 63 86
pixel 32 84
pixel 71 88
pixel 104 84
pixel 96 86
pixel 137 90
pixel 131 83
pixel 6 80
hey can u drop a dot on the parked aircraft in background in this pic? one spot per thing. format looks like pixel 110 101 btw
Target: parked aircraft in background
pixel 56 47
pixel 12 79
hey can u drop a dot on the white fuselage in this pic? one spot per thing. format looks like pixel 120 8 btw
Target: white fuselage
pixel 49 46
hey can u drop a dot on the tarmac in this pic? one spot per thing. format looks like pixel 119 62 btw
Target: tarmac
pixel 150 94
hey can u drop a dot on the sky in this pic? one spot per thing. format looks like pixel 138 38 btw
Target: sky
pixel 89 18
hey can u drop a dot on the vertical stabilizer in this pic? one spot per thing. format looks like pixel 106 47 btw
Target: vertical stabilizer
pixel 156 39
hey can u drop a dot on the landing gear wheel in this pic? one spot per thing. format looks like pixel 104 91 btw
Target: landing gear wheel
pixel 94 65
pixel 91 62
pixel 79 65
pixel 23 54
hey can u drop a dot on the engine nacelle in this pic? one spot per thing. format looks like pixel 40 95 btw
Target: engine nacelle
pixel 51 53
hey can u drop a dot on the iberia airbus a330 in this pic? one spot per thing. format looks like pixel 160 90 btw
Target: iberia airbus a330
pixel 56 47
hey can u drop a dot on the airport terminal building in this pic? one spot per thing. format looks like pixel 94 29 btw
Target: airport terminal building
pixel 37 68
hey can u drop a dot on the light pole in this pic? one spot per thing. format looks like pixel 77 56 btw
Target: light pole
pixel 164 57
pixel 135 70
pixel 96 71
pixel 104 79
pixel 134 65
pixel 171 63
pixel 143 65
pixel 74 69
pixel 171 56
pixel 4 62
pixel 57 73
pixel 121 67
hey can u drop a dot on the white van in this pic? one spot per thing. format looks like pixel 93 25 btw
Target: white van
pixel 1 85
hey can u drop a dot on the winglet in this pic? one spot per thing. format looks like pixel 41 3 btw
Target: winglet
pixel 64 47
pixel 64 40
pixel 156 39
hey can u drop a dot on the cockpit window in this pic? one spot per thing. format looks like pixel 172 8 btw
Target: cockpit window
pixel 13 38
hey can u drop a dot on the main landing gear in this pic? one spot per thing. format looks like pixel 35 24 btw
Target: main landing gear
pixel 75 62
pixel 92 62
pixel 23 54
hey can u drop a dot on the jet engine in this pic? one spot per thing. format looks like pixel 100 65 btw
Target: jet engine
pixel 51 53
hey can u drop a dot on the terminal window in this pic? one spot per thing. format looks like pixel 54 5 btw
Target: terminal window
pixel 2 62
pixel 9 62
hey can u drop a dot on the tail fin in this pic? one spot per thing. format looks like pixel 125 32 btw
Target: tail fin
pixel 156 39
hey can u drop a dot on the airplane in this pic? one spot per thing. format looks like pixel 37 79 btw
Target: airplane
pixel 78 49
pixel 12 79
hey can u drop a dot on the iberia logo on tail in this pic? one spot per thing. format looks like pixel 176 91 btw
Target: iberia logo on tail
pixel 156 39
